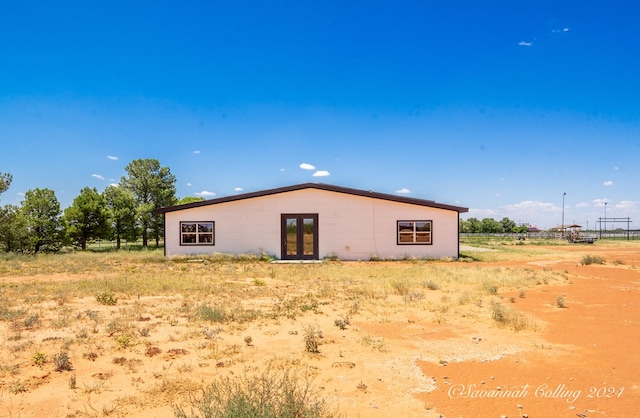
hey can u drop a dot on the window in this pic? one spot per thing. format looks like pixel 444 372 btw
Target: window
pixel 196 233
pixel 414 232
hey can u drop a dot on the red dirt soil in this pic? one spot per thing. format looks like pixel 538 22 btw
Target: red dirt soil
pixel 588 366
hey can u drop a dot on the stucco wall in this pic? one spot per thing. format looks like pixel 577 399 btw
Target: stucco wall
pixel 352 227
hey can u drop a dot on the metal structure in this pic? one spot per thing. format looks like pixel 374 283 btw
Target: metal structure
pixel 606 220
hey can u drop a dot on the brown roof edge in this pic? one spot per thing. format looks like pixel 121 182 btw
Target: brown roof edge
pixel 319 186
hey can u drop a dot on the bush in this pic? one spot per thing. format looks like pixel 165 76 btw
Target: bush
pixel 592 259
pixel 271 394
pixel 106 298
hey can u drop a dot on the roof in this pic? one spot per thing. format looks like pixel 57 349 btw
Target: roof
pixel 319 186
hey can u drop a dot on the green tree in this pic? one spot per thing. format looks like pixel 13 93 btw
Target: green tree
pixel 190 199
pixel 121 207
pixel 473 225
pixel 153 187
pixel 43 218
pixel 508 225
pixel 490 225
pixel 13 229
pixel 87 217
pixel 5 181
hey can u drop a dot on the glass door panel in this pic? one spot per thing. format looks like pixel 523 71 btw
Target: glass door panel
pixel 299 236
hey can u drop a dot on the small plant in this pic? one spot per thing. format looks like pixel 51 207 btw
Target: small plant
pixel 431 285
pixel 592 259
pixel 259 282
pixel 361 386
pixel 311 337
pixel 248 340
pixel 522 294
pixel 106 298
pixel 125 341
pixel 18 387
pixel 150 351
pixel 215 314
pixel 39 358
pixel 491 289
pixel 561 302
pixel 72 382
pixel 62 362
pixel 512 299
pixel 400 286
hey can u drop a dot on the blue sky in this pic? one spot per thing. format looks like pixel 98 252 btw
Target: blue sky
pixel 498 106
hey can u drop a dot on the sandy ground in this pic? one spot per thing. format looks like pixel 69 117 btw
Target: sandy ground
pixel 580 361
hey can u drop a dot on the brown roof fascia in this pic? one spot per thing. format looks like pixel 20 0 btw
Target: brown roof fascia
pixel 319 186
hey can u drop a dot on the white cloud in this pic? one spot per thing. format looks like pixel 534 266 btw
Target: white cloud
pixel 238 189
pixel 615 168
pixel 528 205
pixel 582 205
pixel 321 173
pixel 114 185
pixel 628 205
pixel 282 169
pixel 189 184
pixel 196 152
pixel 306 166
pixel 205 193
pixel 404 190
pixel 111 157
pixel 98 176
pixel 608 183
pixel 599 202
pixel 523 43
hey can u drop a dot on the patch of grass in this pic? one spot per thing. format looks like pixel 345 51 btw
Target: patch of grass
pixel 510 317
pixel 106 298
pixel 212 314
pixel 270 394
pixel 592 259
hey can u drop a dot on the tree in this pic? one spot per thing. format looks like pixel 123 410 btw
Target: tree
pixel 5 181
pixel 152 186
pixel 42 213
pixel 87 217
pixel 508 225
pixel 473 225
pixel 121 209
pixel 490 225
pixel 190 199
pixel 13 229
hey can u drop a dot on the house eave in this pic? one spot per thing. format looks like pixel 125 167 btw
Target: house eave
pixel 318 186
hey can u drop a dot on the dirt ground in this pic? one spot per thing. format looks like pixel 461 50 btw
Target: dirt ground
pixel 581 360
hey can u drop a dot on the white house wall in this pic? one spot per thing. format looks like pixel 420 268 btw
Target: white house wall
pixel 350 226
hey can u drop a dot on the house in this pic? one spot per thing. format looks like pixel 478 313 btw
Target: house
pixel 312 221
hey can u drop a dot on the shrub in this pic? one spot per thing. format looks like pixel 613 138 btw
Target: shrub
pixel 271 394
pixel 215 314
pixel 561 302
pixel 311 337
pixel 106 298
pixel 592 259
pixel 62 362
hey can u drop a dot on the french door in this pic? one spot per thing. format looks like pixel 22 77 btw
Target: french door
pixel 299 236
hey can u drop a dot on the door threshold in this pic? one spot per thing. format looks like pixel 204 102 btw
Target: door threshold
pixel 296 261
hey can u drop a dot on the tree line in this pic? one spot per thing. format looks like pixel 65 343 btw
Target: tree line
pixel 121 212
pixel 491 226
